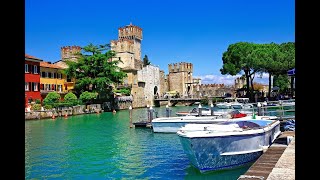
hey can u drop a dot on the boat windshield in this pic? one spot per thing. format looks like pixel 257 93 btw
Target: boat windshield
pixel 195 110
pixel 229 100
pixel 243 100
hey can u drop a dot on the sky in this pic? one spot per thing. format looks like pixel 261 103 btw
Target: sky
pixel 173 30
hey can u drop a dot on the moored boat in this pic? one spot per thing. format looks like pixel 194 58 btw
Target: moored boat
pixel 228 144
pixel 173 124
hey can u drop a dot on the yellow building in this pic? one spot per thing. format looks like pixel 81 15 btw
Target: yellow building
pixel 52 79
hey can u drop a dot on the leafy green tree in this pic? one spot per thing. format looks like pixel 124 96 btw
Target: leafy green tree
pixel 146 61
pixel 269 55
pixel 87 97
pixel 96 70
pixel 52 97
pixel 239 57
pixel 288 59
pixel 282 82
pixel 71 98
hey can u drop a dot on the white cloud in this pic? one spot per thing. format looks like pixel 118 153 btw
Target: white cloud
pixel 228 79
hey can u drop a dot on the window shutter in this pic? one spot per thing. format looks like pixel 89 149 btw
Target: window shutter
pixel 31 86
pixel 38 67
pixel 30 68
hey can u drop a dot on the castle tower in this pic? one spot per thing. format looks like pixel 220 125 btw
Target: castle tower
pixel 128 47
pixel 70 52
pixel 180 78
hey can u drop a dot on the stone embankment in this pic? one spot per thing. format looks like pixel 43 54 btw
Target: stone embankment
pixel 62 112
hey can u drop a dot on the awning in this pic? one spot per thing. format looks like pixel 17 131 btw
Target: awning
pixel 291 72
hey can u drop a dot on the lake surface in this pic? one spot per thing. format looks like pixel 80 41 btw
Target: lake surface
pixel 102 146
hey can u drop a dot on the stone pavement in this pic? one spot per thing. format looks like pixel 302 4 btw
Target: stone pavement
pixel 285 167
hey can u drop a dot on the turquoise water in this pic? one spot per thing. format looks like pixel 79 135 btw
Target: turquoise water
pixel 102 146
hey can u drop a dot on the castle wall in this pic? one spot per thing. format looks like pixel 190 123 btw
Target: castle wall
pixel 212 90
pixel 180 78
pixel 163 83
pixel 138 97
pixel 70 52
pixel 151 76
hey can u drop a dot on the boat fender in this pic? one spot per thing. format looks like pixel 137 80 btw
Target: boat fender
pixel 264 148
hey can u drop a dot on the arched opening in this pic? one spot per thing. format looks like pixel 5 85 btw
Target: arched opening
pixel 155 90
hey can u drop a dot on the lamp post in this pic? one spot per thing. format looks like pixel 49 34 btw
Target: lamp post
pixel 199 110
pixel 130 116
pixel 167 111
pixel 212 112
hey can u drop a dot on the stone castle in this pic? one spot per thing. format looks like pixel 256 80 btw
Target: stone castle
pixel 146 82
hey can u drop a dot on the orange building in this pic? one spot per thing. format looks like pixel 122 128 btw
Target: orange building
pixel 52 79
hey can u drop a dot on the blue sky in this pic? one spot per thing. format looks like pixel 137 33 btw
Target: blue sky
pixel 173 30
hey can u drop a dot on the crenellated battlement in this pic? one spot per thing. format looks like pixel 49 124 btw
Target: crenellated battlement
pixel 180 67
pixel 209 85
pixel 130 32
pixel 69 52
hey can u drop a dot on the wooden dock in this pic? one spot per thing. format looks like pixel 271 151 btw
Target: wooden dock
pixel 142 124
pixel 269 164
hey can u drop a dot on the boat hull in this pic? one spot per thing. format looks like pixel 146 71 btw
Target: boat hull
pixel 173 127
pixel 224 152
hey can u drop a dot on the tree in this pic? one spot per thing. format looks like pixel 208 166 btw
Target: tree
pixel 282 82
pixel 87 97
pixel 95 71
pixel 52 97
pixel 240 57
pixel 145 61
pixel 270 55
pixel 70 98
pixel 277 59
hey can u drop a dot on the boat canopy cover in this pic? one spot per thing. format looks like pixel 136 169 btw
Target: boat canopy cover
pixel 291 72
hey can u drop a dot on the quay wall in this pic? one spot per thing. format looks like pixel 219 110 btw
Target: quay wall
pixel 63 111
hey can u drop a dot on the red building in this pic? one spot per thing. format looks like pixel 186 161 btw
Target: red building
pixel 32 78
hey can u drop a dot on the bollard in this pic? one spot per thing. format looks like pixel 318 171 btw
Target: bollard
pixel 167 111
pixel 199 110
pixel 265 108
pixel 259 109
pixel 281 107
pixel 148 113
pixel 212 111
pixel 151 113
pixel 130 116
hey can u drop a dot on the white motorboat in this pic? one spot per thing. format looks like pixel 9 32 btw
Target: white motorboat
pixel 173 124
pixel 228 144
pixel 235 103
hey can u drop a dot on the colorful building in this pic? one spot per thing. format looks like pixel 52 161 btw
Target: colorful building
pixel 52 79
pixel 32 79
